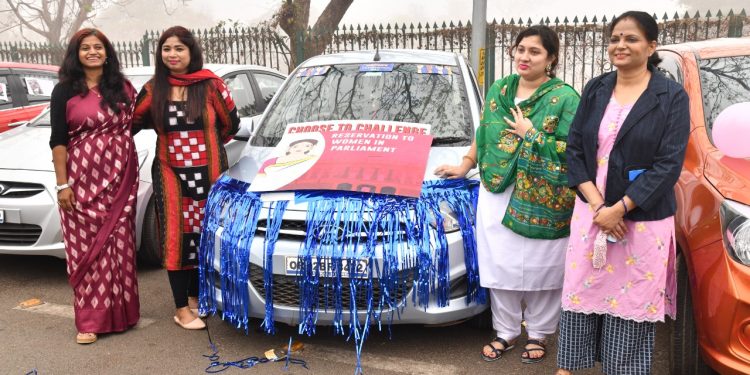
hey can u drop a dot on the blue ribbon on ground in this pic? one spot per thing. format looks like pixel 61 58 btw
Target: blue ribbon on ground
pixel 346 229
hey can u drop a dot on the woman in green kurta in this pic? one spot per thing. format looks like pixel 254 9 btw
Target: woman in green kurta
pixel 524 210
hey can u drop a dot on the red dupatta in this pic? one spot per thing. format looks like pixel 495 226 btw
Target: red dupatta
pixel 204 75
pixel 191 78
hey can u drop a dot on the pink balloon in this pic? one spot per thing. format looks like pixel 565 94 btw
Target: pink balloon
pixel 731 131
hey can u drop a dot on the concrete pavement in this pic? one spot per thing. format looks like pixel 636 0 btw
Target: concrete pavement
pixel 43 340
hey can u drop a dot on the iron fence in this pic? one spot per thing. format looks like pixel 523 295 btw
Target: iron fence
pixel 238 45
pixel 583 42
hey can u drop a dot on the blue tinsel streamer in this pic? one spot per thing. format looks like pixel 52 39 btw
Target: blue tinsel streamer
pixel 345 228
pixel 272 235
pixel 225 191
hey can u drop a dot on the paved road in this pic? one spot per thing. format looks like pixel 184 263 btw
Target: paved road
pixel 44 339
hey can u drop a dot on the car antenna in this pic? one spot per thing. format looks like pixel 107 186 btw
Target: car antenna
pixel 377 54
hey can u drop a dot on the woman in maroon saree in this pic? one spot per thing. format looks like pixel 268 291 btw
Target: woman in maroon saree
pixel 96 169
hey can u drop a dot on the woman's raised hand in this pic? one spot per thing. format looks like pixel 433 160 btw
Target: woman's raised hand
pixel 519 125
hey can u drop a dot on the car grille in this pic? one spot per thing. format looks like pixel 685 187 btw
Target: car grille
pixel 19 189
pixel 19 234
pixel 297 230
pixel 286 289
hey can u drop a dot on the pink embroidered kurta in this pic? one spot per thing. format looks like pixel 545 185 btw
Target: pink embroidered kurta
pixel 637 282
pixel 99 234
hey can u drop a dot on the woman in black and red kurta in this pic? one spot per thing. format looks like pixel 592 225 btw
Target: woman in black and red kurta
pixel 193 115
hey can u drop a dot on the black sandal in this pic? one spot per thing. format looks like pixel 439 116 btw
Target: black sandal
pixel 527 359
pixel 496 351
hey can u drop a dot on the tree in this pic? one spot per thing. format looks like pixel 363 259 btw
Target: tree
pixel 55 20
pixel 294 18
pixel 58 20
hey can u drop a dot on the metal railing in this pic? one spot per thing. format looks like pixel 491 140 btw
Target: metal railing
pixel 583 42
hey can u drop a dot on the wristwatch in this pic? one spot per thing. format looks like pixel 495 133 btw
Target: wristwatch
pixel 62 187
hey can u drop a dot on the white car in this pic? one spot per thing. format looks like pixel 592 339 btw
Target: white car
pixel 343 89
pixel 29 219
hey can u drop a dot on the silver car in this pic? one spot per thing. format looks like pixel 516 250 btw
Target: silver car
pixel 452 101
pixel 29 219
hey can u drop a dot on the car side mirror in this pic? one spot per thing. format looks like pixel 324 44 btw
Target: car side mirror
pixel 731 129
pixel 247 128
pixel 244 133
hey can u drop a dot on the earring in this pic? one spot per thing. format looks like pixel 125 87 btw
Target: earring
pixel 548 68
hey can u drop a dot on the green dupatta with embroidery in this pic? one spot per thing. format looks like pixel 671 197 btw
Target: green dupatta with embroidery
pixel 541 204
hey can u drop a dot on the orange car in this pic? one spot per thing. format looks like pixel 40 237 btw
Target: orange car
pixel 25 91
pixel 712 330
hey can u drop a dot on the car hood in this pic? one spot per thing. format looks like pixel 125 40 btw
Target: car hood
pixel 26 148
pixel 730 176
pixel 247 167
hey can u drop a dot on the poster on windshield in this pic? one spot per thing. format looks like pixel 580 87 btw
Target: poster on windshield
pixel 384 157
pixel 39 86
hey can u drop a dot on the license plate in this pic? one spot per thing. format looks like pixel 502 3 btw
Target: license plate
pixel 326 267
pixel 2 217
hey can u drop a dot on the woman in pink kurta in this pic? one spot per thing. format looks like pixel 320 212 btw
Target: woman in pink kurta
pixel 637 280
pixel 625 152
pixel 96 167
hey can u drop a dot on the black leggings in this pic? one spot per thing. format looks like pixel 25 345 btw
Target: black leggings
pixel 184 284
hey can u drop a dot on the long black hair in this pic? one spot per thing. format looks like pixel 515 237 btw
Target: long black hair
pixel 550 42
pixel 196 93
pixel 647 24
pixel 112 83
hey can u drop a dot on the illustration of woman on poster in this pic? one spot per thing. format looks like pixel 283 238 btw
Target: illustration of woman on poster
pixel 298 152
pixel 288 163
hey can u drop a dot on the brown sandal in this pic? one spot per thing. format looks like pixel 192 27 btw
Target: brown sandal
pixel 84 338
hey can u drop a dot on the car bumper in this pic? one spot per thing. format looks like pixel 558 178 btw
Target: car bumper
pixel 722 309
pixel 38 214
pixel 32 224
pixel 456 310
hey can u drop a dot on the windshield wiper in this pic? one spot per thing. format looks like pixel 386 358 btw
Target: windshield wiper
pixel 447 140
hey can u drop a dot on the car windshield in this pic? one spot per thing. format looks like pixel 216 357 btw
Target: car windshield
pixel 399 92
pixel 724 81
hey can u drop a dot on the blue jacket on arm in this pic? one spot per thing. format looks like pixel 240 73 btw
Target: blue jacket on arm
pixel 652 138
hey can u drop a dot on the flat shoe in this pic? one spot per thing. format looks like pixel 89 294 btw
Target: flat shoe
pixel 197 323
pixel 86 338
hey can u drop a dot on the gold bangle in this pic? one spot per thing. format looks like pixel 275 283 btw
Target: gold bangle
pixel 473 162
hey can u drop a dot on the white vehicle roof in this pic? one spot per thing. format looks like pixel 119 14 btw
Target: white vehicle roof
pixel 218 69
pixel 410 56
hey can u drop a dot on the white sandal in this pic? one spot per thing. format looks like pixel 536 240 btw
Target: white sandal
pixel 197 323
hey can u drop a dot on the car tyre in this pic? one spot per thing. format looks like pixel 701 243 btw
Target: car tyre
pixel 482 320
pixel 685 357
pixel 150 251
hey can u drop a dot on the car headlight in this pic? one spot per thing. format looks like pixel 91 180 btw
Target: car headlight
pixel 450 218
pixel 735 230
